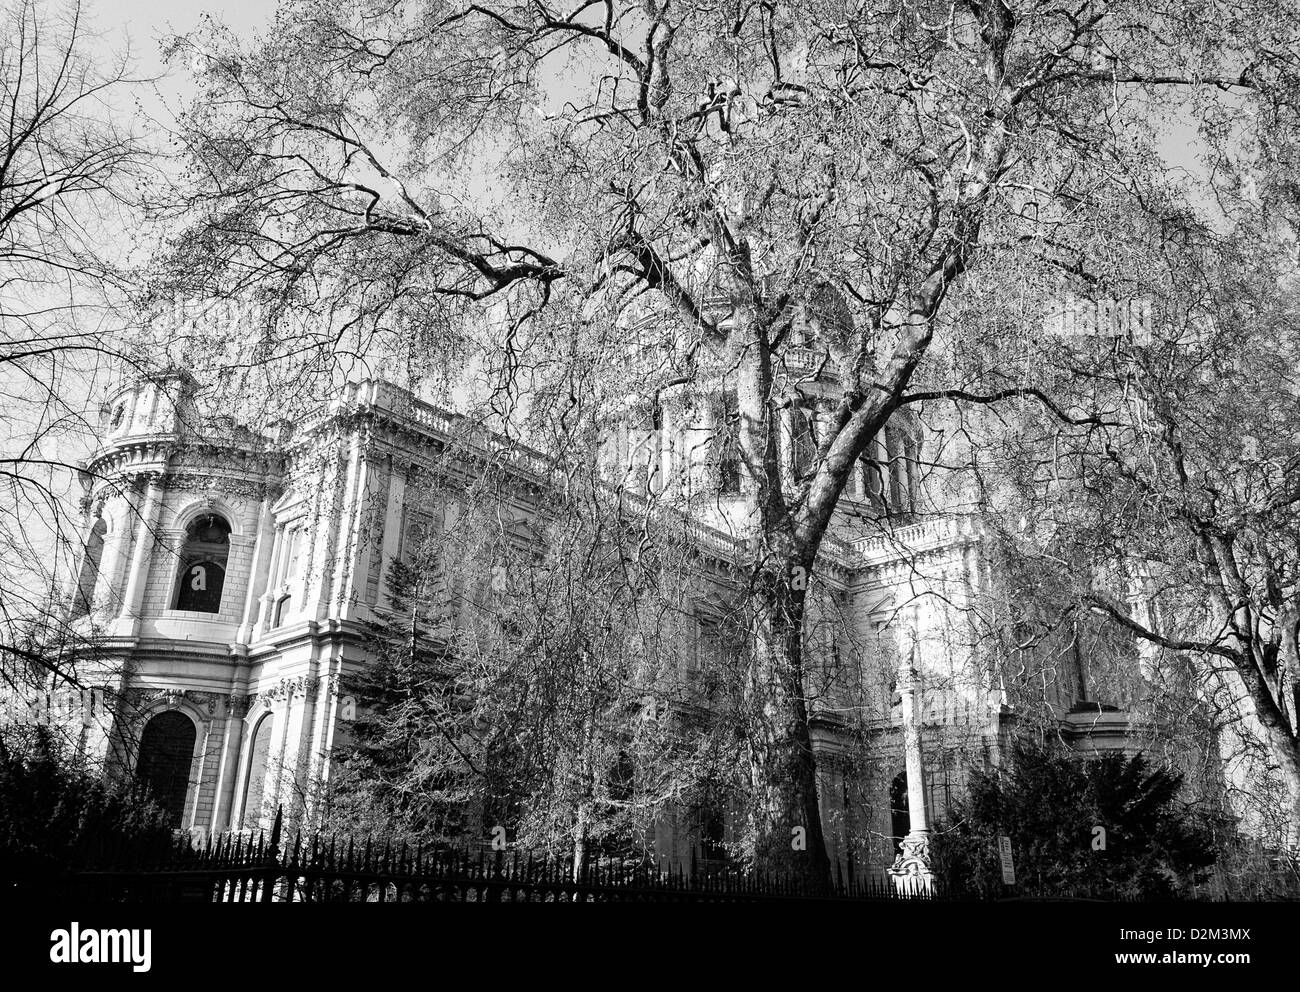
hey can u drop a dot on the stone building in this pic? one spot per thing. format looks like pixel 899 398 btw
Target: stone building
pixel 228 578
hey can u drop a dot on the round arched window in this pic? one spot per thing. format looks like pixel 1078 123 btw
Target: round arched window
pixel 203 565
pixel 900 818
pixel 166 756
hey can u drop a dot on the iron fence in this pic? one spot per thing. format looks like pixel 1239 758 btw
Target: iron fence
pixel 270 868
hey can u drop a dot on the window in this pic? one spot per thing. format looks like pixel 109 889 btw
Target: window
pixel 709 822
pixel 203 565
pixel 89 576
pixel 166 754
pixel 873 483
pixel 654 449
pixel 912 466
pixel 290 570
pixel 713 831
pixel 294 569
pixel 420 555
pixel 719 651
pixel 255 783
pixel 644 454
pixel 413 538
pixel 803 443
pixel 895 467
pixel 726 433
pixel 621 779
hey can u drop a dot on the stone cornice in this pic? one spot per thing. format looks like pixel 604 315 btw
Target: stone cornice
pixel 171 453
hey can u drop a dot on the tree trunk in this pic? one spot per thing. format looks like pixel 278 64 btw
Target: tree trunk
pixel 580 843
pixel 785 813
pixel 1281 739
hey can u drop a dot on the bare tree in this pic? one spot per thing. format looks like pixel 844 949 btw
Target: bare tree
pixel 1155 489
pixel 913 175
pixel 68 175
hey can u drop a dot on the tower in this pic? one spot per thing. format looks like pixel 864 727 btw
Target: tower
pixel 178 506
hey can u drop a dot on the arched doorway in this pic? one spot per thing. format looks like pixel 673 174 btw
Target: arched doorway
pixel 166 755
pixel 900 820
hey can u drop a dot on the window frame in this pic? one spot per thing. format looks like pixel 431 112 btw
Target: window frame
pixel 193 553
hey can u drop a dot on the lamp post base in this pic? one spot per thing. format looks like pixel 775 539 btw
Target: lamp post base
pixel 911 869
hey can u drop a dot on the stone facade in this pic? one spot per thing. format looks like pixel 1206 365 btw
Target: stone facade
pixel 314 520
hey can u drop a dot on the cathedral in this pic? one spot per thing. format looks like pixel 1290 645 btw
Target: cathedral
pixel 228 578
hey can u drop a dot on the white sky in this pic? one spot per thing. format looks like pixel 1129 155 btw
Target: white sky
pixel 141 24
pixel 115 26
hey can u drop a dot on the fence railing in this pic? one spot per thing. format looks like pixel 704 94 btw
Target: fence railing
pixel 244 868
pixel 239 868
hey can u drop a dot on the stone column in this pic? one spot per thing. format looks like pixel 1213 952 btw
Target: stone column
pixel 137 577
pixel 274 579
pixel 117 510
pixel 911 869
pixel 262 538
pixel 235 707
pixel 342 583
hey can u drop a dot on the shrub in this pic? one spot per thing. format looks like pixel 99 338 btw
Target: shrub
pixel 1051 802
pixel 57 815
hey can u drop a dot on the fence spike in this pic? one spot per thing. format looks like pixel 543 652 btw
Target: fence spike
pixel 275 832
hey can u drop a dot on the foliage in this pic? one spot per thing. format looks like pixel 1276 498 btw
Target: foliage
pixel 519 684
pixel 1158 499
pixel 1050 801
pixel 607 204
pixel 70 170
pixel 57 814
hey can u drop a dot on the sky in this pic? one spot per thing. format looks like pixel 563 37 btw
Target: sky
pixel 117 25
pixel 141 24
pixel 138 26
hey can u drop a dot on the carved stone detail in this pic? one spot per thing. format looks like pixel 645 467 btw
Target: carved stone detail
pixel 914 858
pixel 209 703
pixel 291 688
pixel 911 869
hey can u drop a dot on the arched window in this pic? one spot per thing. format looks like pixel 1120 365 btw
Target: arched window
pixel 621 779
pixel 655 449
pixel 90 563
pixel 894 469
pixel 414 538
pixel 726 441
pixel 255 781
pixel 203 565
pixel 873 484
pixel 166 755
pixel 803 443
pixel 900 820
pixel 912 454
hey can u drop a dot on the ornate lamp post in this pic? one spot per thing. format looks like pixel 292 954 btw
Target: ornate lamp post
pixel 911 869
